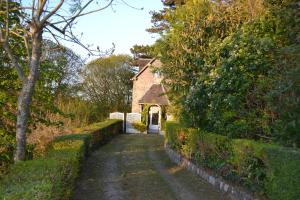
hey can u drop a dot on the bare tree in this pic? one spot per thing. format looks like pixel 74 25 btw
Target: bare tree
pixel 35 19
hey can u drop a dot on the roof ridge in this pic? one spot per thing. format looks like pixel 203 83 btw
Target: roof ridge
pixel 143 69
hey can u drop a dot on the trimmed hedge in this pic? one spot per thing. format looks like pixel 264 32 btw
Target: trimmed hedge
pixel 263 168
pixel 283 174
pixel 140 127
pixel 53 177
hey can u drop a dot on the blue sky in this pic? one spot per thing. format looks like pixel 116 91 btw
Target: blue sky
pixel 121 25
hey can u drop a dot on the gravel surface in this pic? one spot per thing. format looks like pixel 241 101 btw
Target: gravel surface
pixel 136 167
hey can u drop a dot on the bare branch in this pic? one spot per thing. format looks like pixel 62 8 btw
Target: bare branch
pixel 55 28
pixel 32 11
pixel 53 35
pixel 77 15
pixel 54 10
pixel 41 8
pixel 130 6
pixel 80 14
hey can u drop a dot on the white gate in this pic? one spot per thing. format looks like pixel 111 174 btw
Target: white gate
pixel 132 118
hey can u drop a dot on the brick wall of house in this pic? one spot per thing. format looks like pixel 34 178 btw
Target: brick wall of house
pixel 142 84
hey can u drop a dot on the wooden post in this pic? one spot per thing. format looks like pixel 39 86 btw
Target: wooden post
pixel 124 123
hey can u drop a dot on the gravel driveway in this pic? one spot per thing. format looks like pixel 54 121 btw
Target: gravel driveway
pixel 136 167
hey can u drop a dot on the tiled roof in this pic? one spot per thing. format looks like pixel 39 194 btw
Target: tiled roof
pixel 155 95
pixel 143 69
pixel 142 62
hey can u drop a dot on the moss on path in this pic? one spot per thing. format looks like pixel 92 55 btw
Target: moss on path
pixel 136 167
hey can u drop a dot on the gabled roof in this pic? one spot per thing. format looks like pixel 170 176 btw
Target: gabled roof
pixel 144 68
pixel 155 95
pixel 142 62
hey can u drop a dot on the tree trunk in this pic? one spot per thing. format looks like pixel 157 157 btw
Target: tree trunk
pixel 25 97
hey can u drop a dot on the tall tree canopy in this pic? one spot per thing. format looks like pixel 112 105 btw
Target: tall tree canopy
pixel 233 67
pixel 142 51
pixel 160 23
pixel 107 82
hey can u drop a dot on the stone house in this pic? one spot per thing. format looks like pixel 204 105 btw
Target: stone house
pixel 149 93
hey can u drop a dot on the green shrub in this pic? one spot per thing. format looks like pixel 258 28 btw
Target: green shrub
pixel 30 180
pixel 145 114
pixel 171 134
pixel 140 127
pixel 261 167
pixel 53 177
pixel 7 149
pixel 283 174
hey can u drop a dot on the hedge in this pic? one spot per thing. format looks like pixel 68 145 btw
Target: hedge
pixel 53 176
pixel 140 127
pixel 266 169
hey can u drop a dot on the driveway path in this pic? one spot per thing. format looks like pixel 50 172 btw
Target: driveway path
pixel 135 167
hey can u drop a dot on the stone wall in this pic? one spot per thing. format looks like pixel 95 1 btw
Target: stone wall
pixel 234 192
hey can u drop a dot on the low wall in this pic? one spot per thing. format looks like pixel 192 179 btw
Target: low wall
pixel 267 170
pixel 235 193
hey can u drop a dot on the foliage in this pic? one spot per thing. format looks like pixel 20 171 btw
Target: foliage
pixel 285 97
pixel 142 51
pixel 59 74
pixel 59 69
pixel 9 85
pixel 28 22
pixel 163 117
pixel 45 178
pixel 283 174
pixel 77 112
pixel 140 127
pixel 53 177
pixel 106 82
pixel 6 150
pixel 158 19
pixel 145 113
pixel 261 167
pixel 233 67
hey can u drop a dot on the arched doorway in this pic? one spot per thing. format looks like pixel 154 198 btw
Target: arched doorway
pixel 154 115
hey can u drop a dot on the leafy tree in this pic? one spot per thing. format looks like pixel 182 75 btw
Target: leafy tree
pixel 285 93
pixel 28 20
pixel 107 83
pixel 58 73
pixel 160 23
pixel 233 68
pixel 142 51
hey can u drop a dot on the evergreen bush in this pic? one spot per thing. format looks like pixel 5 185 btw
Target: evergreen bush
pixel 263 168
pixel 53 176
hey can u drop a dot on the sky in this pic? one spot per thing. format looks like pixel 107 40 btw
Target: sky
pixel 120 24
